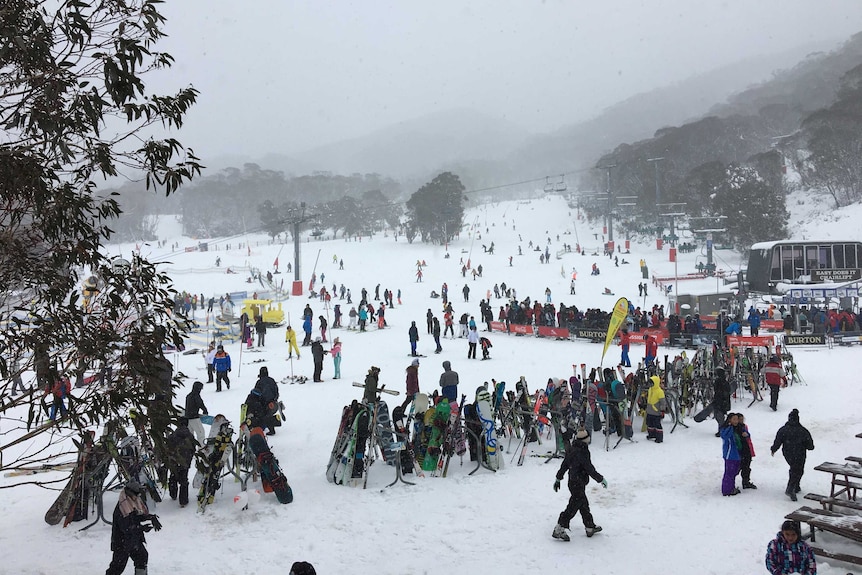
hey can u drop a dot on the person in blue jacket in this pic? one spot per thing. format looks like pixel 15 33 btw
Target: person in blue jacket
pixel 221 364
pixel 730 452
pixel 306 327
pixel 753 321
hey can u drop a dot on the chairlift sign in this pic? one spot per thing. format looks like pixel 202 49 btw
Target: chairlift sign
pixel 836 275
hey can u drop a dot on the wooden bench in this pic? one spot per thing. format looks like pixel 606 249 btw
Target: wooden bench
pixel 848 526
pixel 853 458
pixel 830 503
pixel 843 486
pixel 833 555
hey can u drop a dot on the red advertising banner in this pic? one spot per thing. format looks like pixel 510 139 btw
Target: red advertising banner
pixel 518 328
pixel 751 341
pixel 545 331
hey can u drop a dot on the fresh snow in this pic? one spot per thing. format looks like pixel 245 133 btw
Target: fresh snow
pixel 663 511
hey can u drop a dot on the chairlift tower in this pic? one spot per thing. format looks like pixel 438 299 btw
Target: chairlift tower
pixel 610 216
pixel 296 223
pixel 710 265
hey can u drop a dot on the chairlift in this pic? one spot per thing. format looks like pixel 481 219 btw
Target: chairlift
pixel 549 186
pixel 561 185
pixel 316 232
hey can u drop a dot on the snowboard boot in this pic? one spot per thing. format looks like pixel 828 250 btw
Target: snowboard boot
pixel 593 530
pixel 560 533
pixel 749 485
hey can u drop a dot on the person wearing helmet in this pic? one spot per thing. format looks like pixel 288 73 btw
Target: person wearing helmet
pixel 775 378
pixel 580 468
pixel 131 520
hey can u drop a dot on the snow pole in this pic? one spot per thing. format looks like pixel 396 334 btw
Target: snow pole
pixel 290 352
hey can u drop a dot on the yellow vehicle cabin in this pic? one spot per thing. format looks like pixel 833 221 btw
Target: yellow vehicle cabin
pixel 271 312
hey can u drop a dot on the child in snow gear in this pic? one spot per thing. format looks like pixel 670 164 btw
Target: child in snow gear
pixel 788 553
pixel 730 452
pixel 131 520
pixel 655 408
pixel 794 441
pixel 577 462
pixel 746 452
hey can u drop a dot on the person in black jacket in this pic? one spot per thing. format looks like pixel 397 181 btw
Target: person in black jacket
pixel 794 441
pixel 181 451
pixel 262 402
pixel 577 462
pixel 317 352
pixel 720 398
pixel 128 528
pixel 194 407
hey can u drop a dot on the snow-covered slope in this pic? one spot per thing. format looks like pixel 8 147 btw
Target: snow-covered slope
pixel 662 513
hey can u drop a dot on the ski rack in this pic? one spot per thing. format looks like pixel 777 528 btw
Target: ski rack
pixel 399 447
pixel 482 450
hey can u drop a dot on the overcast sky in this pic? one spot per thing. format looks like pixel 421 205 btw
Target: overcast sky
pixel 287 75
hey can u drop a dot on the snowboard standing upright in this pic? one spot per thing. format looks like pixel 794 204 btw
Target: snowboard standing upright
pixel 210 460
pixel 271 476
pixel 489 433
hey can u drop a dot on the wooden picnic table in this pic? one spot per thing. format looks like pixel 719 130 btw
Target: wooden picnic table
pixel 847 526
pixel 842 478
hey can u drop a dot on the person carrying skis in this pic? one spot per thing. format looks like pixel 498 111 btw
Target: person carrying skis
pixel 775 378
pixel 221 363
pixel 290 338
pixel 788 553
pixel 794 441
pixel 580 468
pixel 317 352
pixel 181 450
pixel 413 334
pixel 127 530
pixel 194 407
pixel 655 408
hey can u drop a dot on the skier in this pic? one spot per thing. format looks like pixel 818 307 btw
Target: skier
pixel 336 357
pixel 306 327
pixel 363 316
pixel 788 553
pixel 221 363
pixel 290 338
pixel 449 382
pixel 577 462
pixel 413 334
pixel 466 292
pixel 128 528
pixel 775 379
pixel 323 325
pixel 794 441
pixel 746 452
pixel 194 407
pixel 181 450
pixel 720 398
pixel 412 382
pixel 317 352
pixel 655 408
pixel 731 453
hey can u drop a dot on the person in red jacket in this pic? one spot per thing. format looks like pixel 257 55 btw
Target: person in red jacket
pixel 775 379
pixel 651 349
pixel 60 389
pixel 625 342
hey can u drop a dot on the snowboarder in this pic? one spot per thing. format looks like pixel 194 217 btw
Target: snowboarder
pixel 577 462
pixel 127 530
pixel 413 334
pixel 194 407
pixel 317 352
pixel 794 441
